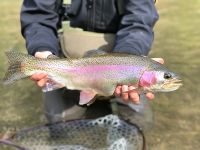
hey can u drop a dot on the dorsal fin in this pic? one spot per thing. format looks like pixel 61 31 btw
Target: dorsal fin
pixel 53 57
pixel 95 52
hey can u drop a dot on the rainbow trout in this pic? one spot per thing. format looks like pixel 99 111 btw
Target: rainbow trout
pixel 97 75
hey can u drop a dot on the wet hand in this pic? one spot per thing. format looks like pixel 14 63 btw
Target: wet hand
pixel 133 95
pixel 41 78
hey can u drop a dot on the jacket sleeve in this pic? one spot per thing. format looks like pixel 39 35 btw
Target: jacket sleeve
pixel 135 35
pixel 39 25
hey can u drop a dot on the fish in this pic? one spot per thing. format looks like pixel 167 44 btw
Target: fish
pixel 94 76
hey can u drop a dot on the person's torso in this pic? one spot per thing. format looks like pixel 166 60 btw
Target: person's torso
pixel 95 15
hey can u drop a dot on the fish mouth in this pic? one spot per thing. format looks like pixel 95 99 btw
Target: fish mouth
pixel 172 85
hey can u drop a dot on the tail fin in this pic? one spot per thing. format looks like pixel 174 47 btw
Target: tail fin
pixel 14 73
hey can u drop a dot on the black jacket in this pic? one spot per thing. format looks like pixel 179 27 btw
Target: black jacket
pixel 134 29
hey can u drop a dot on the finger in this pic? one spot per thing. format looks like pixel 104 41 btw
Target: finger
pixel 39 76
pixel 43 54
pixel 118 90
pixel 131 88
pixel 133 95
pixel 42 82
pixel 160 60
pixel 150 96
pixel 124 94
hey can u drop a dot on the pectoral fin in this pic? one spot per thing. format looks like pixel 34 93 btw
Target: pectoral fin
pixel 87 97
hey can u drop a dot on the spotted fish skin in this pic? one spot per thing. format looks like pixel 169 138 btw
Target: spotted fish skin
pixel 98 75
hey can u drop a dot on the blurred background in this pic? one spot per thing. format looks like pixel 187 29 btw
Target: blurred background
pixel 176 114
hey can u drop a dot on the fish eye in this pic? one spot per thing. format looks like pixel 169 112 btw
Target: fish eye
pixel 167 75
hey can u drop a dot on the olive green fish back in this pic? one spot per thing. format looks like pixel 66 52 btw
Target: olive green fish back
pixel 113 59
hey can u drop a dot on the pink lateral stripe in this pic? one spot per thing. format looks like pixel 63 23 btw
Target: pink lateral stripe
pixel 103 68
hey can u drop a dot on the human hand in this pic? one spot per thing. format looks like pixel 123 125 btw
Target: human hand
pixel 41 78
pixel 133 95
